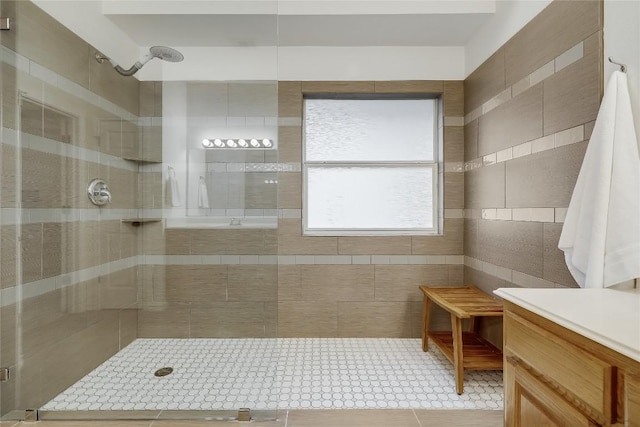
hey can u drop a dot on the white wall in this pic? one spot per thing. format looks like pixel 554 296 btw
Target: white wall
pixel 622 42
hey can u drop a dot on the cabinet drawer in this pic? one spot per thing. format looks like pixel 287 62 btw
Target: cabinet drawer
pixel 632 400
pixel 585 380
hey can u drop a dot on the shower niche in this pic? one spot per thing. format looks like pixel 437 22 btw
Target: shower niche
pixel 232 156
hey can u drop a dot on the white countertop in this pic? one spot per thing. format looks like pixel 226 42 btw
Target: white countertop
pixel 607 316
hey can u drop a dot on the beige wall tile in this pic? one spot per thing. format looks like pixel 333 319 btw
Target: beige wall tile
pixel 257 193
pixel 374 319
pixel 63 364
pixel 471 140
pixel 454 144
pixel 147 102
pixel 338 87
pixel 9 85
pixel 31 237
pixel 289 99
pixel 119 290
pixel 195 283
pixel 485 82
pixel 572 95
pixel 8 320
pixel 471 238
pixel 485 187
pixel 512 123
pixel 454 98
pixel 555 267
pixel 163 321
pixel 410 86
pixel 451 243
pixel 41 180
pixel 8 256
pixel 401 282
pixel 107 83
pixel 557 28
pixel 456 275
pixel 177 241
pixel 291 241
pixel 307 319
pixel 289 285
pixel 337 282
pixel 8 175
pixel 453 190
pixel 367 245
pixel 252 283
pixel 48 42
pixel 514 245
pixel 229 320
pixel 228 242
pixel 290 190
pixel 289 144
pixel 128 326
pixel 544 179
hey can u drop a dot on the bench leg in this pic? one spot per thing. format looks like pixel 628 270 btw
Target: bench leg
pixel 458 362
pixel 425 324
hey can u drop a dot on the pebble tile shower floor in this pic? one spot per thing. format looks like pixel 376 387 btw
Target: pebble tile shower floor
pixel 284 373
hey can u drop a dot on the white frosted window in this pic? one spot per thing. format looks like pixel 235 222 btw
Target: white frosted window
pixel 369 129
pixel 369 198
pixel 370 166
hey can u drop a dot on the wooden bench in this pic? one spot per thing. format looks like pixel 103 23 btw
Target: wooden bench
pixel 466 350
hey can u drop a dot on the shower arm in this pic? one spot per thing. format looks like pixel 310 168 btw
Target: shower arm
pixel 131 71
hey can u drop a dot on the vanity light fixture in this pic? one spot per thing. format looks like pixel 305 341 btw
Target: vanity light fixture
pixel 239 143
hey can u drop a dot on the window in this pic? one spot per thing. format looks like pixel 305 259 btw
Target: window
pixel 370 166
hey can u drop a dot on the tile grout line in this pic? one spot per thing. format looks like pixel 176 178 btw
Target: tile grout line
pixel 416 415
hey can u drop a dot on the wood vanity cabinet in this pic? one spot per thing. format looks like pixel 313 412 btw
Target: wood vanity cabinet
pixel 556 377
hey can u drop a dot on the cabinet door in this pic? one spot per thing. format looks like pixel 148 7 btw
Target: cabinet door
pixel 632 400
pixel 535 404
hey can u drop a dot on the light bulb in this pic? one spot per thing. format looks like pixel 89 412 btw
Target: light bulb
pixel 231 143
pixel 242 143
pixel 218 143
pixel 207 143
pixel 267 143
pixel 254 143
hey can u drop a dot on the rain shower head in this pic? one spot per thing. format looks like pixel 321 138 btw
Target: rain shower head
pixel 161 52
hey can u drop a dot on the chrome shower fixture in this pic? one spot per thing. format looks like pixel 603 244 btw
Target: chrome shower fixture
pixel 161 52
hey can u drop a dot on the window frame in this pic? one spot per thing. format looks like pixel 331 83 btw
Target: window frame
pixel 435 165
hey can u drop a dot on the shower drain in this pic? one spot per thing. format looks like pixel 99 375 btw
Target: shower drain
pixel 163 372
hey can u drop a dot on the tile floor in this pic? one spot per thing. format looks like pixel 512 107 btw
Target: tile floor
pixel 287 373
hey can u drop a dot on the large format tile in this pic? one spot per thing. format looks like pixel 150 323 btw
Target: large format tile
pixel 572 95
pixel 410 86
pixel 228 320
pixel 485 82
pixel 454 145
pixel 557 28
pixel 454 98
pixel 337 87
pixel 291 240
pixel 545 179
pixel 337 282
pixel 401 282
pixel 555 267
pixel 374 319
pixel 471 140
pixel 512 123
pixel 485 187
pixel 513 245
pixel 450 243
pixel 366 245
pixel 289 99
pixel 307 319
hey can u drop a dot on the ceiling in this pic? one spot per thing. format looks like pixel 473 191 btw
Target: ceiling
pixel 244 23
pixel 300 30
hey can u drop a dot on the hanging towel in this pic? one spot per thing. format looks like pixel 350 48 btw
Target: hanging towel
pixel 601 234
pixel 173 194
pixel 203 195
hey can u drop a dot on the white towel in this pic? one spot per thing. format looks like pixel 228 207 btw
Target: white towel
pixel 203 194
pixel 173 193
pixel 601 233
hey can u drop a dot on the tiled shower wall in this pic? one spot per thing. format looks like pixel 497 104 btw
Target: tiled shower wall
pixel 363 286
pixel 276 282
pixel 68 268
pixel 529 112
